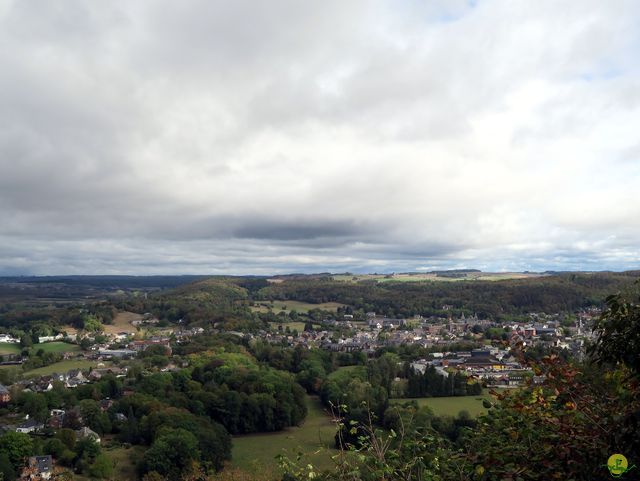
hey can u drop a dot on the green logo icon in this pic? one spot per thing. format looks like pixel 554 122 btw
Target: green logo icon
pixel 618 465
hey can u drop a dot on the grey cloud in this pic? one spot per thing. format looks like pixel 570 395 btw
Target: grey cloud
pixel 296 230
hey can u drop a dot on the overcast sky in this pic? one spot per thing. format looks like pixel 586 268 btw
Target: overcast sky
pixel 148 137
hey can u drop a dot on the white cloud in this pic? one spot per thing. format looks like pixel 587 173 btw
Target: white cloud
pixel 240 137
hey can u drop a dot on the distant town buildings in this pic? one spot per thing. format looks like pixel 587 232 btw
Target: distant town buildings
pixel 38 468
pixel 5 395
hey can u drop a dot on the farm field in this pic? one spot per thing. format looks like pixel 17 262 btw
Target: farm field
pixel 451 406
pixel 255 453
pixel 122 323
pixel 62 366
pixel 298 306
pixel 9 348
pixel 471 276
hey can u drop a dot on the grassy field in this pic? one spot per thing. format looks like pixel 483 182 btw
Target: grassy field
pixel 56 347
pixel 288 306
pixel 61 367
pixel 291 325
pixel 9 367
pixel 8 348
pixel 125 460
pixel 256 453
pixel 451 406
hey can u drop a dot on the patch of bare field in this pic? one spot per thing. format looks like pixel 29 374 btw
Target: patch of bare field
pixel 122 323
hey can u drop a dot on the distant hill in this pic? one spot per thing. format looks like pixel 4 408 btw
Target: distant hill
pixel 112 282
pixel 75 288
pixel 202 299
pixel 564 292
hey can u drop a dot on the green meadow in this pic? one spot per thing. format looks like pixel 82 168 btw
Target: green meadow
pixel 56 346
pixel 62 367
pixel 299 326
pixel 451 406
pixel 9 348
pixel 256 453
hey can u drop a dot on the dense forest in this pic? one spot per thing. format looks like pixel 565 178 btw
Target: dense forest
pixel 181 417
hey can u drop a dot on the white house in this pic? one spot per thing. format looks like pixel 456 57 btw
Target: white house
pixel 7 338
pixel 50 338
pixel 29 426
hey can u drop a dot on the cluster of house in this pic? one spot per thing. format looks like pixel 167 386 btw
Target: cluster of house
pixel 147 320
pixel 105 351
pixel 8 338
pixel 379 331
pixel 550 334
pixel 43 467
pixel 133 347
pixel 38 468
pixel 57 418
pixel 70 379
pixel 380 322
pixel 376 332
pixel 496 367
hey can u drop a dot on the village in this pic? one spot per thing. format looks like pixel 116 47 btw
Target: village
pixel 493 361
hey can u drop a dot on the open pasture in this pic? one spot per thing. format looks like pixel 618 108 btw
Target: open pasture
pixel 451 406
pixel 256 453
pixel 299 326
pixel 433 277
pixel 9 348
pixel 62 366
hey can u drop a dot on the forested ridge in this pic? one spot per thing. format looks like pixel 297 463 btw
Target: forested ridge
pixel 228 298
pixel 555 293
pixel 225 298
